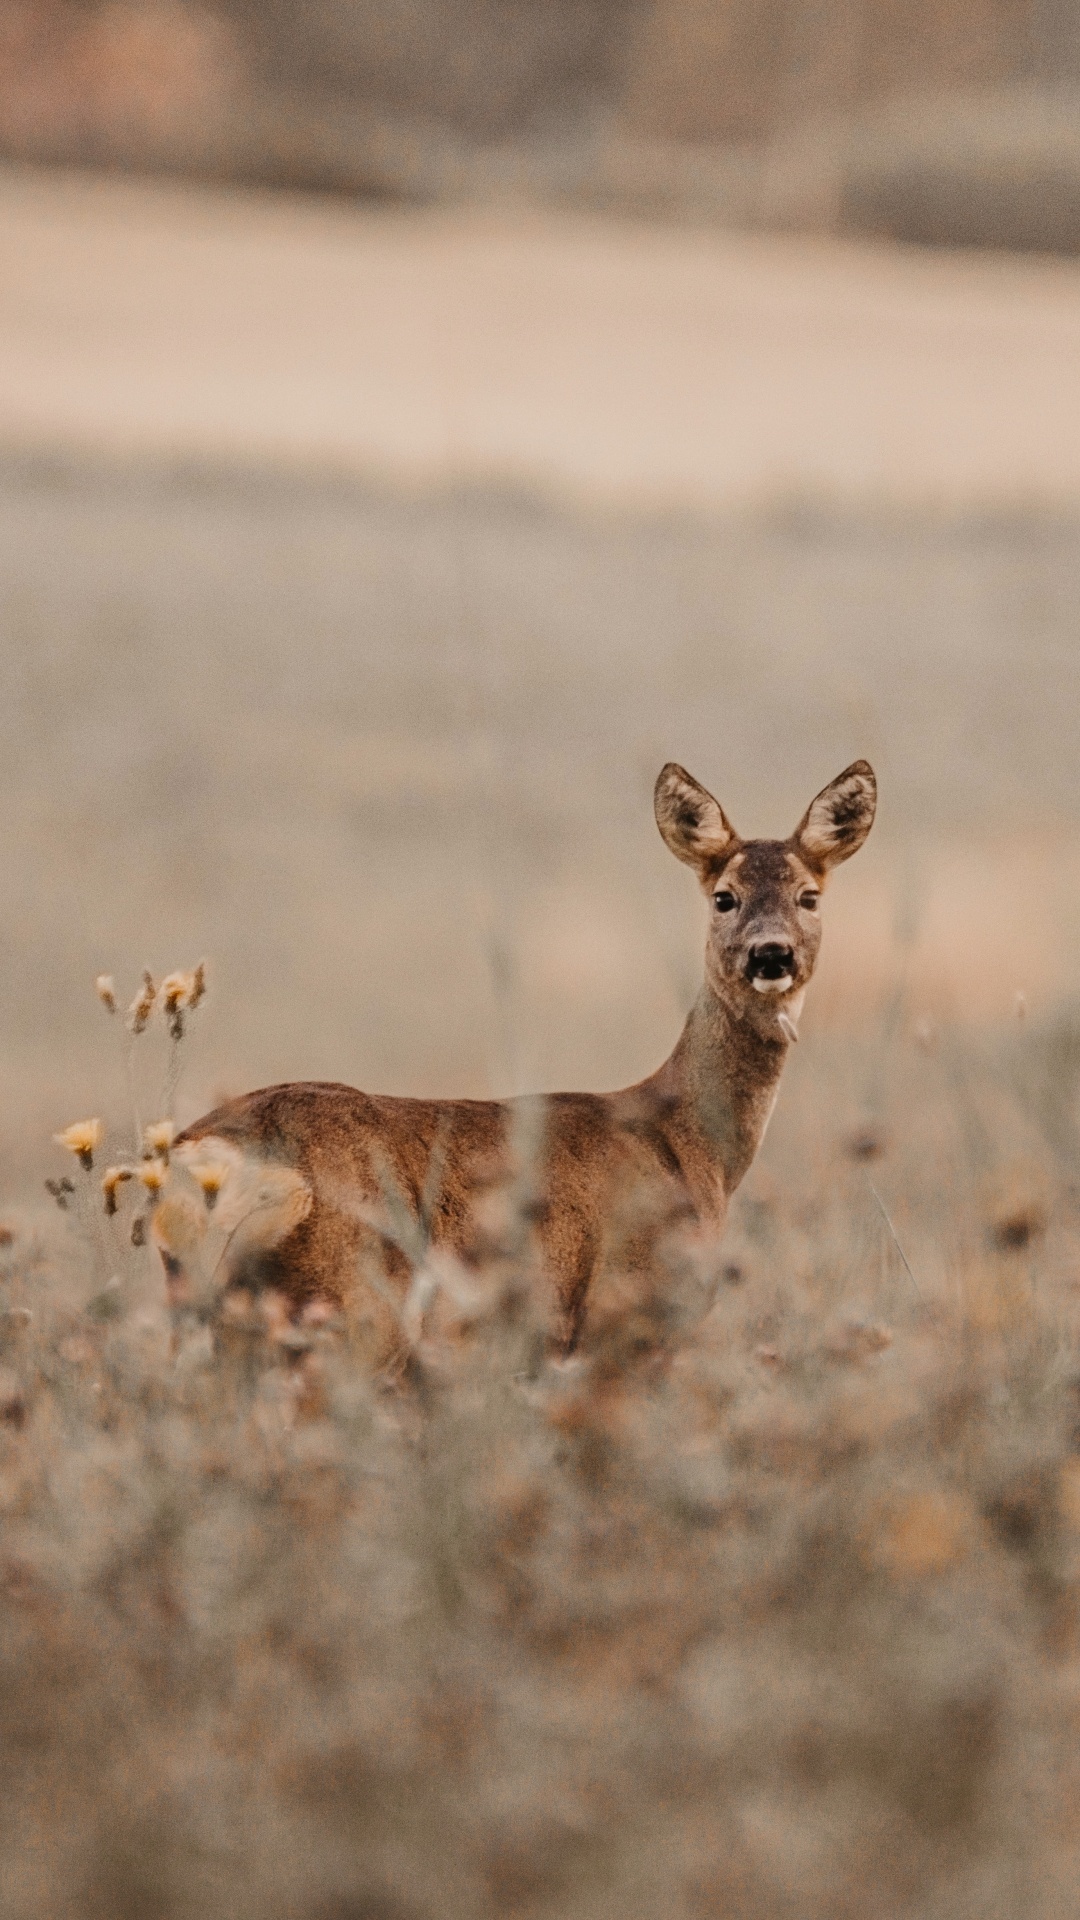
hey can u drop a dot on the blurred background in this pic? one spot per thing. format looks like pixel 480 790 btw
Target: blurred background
pixel 419 419
pixel 930 122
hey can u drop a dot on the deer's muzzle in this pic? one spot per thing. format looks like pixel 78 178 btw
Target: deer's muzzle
pixel 771 966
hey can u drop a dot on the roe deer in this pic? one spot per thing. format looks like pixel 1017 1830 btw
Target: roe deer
pixel 305 1168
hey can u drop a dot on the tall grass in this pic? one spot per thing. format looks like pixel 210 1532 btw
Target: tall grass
pixel 769 1609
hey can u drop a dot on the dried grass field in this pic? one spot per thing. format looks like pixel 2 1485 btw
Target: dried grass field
pixel 765 1604
pixel 768 1602
pixel 388 764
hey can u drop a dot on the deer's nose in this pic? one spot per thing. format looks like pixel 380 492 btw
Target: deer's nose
pixel 770 960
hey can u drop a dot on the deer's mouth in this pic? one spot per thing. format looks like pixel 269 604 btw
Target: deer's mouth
pixel 770 968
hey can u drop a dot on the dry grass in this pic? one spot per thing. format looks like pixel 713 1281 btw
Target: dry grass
pixel 754 1611
pixel 764 1608
pixel 390 764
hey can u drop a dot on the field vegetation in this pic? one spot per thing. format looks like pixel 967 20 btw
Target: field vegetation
pixel 767 1602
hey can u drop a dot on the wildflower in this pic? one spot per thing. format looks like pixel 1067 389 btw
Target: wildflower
pixel 159 1138
pixel 180 990
pixel 143 1004
pixel 177 989
pixel 81 1139
pixel 211 1177
pixel 113 1179
pixel 153 1174
pixel 105 988
pixel 61 1191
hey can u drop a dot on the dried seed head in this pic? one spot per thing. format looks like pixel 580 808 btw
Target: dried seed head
pixel 138 1230
pixel 153 1174
pixel 177 990
pixel 175 994
pixel 143 1004
pixel 211 1177
pixel 114 1179
pixel 159 1138
pixel 81 1139
pixel 60 1190
pixel 105 988
pixel 180 992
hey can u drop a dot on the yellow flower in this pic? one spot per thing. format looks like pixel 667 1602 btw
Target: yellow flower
pixel 159 1138
pixel 105 988
pixel 211 1177
pixel 81 1139
pixel 114 1178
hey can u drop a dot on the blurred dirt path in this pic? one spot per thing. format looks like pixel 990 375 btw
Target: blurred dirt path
pixel 630 364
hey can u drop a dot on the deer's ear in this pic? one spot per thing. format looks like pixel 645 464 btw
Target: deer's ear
pixel 835 825
pixel 692 823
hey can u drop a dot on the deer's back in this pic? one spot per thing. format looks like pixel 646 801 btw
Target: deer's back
pixel 363 1157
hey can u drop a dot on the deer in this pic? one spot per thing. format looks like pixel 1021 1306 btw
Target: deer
pixel 300 1174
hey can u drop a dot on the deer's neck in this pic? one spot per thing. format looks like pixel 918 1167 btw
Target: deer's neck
pixel 720 1086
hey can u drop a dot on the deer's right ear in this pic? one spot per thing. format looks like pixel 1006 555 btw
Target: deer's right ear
pixel 693 824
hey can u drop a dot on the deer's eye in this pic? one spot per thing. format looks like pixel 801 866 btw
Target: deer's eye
pixel 808 902
pixel 724 901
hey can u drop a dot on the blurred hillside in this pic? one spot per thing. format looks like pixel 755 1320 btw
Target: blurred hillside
pixel 926 121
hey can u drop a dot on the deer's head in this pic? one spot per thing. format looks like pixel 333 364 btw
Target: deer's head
pixel 764 920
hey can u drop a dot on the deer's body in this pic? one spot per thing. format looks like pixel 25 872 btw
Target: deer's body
pixel 313 1167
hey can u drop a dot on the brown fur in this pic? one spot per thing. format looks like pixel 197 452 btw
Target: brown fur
pixel 612 1170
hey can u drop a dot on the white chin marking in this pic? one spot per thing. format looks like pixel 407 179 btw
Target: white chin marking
pixel 773 986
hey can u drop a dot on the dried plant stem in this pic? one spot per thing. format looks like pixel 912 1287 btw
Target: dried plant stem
pixel 133 1095
pixel 895 1238
pixel 173 1068
pixel 91 1221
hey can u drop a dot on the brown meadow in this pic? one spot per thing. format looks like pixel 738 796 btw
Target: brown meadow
pixel 766 1604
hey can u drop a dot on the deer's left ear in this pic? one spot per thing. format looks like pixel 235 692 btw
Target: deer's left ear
pixel 835 825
